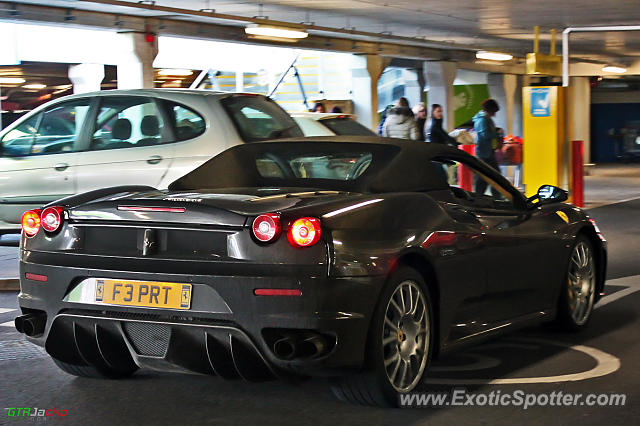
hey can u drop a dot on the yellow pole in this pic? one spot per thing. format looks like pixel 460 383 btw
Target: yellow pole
pixel 552 50
pixel 536 32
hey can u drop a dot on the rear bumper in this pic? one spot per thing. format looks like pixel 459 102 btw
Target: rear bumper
pixel 224 331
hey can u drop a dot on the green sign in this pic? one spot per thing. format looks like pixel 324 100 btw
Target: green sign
pixel 466 101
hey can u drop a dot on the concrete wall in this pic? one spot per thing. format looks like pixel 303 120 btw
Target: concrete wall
pixel 626 97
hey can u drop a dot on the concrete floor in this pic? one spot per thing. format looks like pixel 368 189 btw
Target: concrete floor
pixel 610 183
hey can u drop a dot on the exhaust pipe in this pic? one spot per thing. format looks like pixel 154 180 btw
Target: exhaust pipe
pixel 31 324
pixel 285 348
pixel 312 347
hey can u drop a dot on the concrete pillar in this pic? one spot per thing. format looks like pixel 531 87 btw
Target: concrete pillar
pixel 579 113
pixel 365 73
pixel 86 77
pixel 440 77
pixel 412 89
pixel 497 91
pixel 135 66
pixel 506 89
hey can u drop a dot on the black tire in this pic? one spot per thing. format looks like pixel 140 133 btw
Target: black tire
pixel 372 386
pixel 91 371
pixel 565 320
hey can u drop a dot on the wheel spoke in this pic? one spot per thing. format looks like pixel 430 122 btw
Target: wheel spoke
pixel 576 259
pixel 396 307
pixel 393 358
pixel 394 373
pixel 410 298
pixel 389 339
pixel 415 307
pixel 393 326
pixel 405 372
pixel 404 302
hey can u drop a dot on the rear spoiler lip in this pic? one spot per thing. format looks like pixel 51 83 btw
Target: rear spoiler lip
pixel 85 197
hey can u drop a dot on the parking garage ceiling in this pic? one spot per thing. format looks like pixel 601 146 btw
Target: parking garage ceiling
pixel 471 24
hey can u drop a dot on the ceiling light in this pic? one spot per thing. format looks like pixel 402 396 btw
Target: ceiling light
pixel 493 56
pixel 36 86
pixel 175 72
pixel 11 80
pixel 614 69
pixel 275 32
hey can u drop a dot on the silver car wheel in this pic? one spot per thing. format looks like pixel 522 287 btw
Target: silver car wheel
pixel 406 336
pixel 581 283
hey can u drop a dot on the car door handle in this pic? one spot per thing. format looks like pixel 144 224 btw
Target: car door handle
pixel 154 159
pixel 61 167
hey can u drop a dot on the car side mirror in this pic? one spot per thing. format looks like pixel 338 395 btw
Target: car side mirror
pixel 549 194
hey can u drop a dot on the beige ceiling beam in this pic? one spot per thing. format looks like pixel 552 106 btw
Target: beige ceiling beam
pixel 171 26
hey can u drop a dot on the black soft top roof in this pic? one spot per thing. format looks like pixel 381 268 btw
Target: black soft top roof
pixel 397 165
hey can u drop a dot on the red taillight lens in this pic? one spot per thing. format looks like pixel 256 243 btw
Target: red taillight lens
pixel 52 218
pixel 31 222
pixel 440 239
pixel 36 277
pixel 304 232
pixel 266 227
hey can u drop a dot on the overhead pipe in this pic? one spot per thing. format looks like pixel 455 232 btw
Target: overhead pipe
pixel 565 43
pixel 152 6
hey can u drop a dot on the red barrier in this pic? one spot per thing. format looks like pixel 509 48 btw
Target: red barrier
pixel 465 177
pixel 577 172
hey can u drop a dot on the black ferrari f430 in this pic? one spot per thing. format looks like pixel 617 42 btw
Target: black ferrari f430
pixel 351 258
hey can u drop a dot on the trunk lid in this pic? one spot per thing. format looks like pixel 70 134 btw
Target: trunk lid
pixel 228 208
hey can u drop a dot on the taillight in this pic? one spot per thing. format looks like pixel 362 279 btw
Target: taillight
pixel 440 239
pixel 31 222
pixel 266 227
pixel 52 218
pixel 304 232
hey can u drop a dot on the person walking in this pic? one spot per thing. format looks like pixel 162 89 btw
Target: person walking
pixel 400 122
pixel 420 112
pixel 487 138
pixel 435 132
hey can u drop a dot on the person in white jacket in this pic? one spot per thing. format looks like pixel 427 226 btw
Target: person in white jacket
pixel 400 122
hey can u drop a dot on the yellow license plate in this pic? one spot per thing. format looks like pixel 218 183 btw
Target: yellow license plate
pixel 148 294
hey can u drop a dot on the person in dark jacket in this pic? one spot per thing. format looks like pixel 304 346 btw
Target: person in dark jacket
pixel 435 132
pixel 486 139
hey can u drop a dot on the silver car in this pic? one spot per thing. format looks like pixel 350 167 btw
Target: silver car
pixel 330 124
pixel 124 137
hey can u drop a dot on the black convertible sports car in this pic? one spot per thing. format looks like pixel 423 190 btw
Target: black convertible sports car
pixel 345 257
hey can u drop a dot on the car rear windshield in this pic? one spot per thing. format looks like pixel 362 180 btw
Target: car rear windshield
pixel 322 165
pixel 346 126
pixel 257 118
pixel 318 165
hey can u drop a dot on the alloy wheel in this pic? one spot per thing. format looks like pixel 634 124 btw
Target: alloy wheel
pixel 581 285
pixel 406 336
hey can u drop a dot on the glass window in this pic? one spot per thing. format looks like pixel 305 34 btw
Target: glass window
pixel 17 142
pixel 471 185
pixel 127 122
pixel 60 127
pixel 346 126
pixel 257 118
pixel 335 166
pixel 186 122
